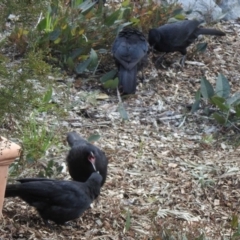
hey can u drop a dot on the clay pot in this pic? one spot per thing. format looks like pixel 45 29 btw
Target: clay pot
pixel 9 151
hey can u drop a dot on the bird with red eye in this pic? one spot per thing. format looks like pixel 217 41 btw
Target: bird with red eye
pixel 92 160
pixel 84 158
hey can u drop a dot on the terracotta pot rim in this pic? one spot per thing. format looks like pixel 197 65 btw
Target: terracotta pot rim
pixel 9 151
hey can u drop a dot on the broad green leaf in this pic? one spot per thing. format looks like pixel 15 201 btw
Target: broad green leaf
pixel 222 86
pixel 70 63
pixel 94 60
pixel 125 13
pixel 125 3
pixel 48 95
pixel 221 16
pixel 102 51
pixel 93 138
pixel 57 41
pixel 235 99
pixel 54 34
pixel 128 221
pixel 198 95
pixel 206 88
pixel 135 21
pixel 112 83
pixel 108 75
pixel 76 53
pixel 236 235
pixel 42 25
pixel 237 109
pixel 201 47
pixel 201 237
pixel 86 6
pixel 234 222
pixel 177 11
pixel 219 102
pixel 172 20
pixel 220 119
pixel 123 25
pixel 81 67
pixel 122 111
pixel 195 106
pixel 75 3
pixel 220 99
pixel 112 18
pixel 180 16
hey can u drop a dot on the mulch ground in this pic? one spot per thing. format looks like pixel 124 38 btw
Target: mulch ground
pixel 168 169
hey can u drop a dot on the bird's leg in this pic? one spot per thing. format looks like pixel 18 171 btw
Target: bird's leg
pixel 160 58
pixel 46 221
pixel 182 60
pixel 48 225
pixel 142 77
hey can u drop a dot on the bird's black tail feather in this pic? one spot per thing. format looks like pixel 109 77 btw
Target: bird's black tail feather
pixel 208 31
pixel 127 80
pixel 73 137
pixel 12 190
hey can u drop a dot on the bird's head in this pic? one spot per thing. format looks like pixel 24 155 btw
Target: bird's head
pixel 153 37
pixel 92 160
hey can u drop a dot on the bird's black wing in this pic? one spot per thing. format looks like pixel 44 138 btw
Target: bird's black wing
pixel 180 33
pixel 51 192
pixel 24 180
pixel 129 48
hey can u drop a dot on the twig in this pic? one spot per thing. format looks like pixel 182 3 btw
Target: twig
pixel 39 19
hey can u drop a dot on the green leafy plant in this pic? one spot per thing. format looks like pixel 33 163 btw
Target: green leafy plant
pixel 76 36
pixel 235 228
pixel 51 169
pixel 226 107
pixel 168 231
pixel 36 139
pixel 203 179
pixel 128 221
pixel 16 95
pixel 71 34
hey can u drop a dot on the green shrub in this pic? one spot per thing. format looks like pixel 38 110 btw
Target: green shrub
pixel 225 108
pixel 71 34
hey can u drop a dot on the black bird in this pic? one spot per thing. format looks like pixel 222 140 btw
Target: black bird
pixel 84 158
pixel 130 53
pixel 59 201
pixel 176 37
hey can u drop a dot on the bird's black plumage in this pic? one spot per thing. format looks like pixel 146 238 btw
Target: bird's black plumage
pixel 176 37
pixel 59 201
pixel 81 158
pixel 130 53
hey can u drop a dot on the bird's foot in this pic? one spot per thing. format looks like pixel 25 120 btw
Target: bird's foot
pixel 182 61
pixel 142 78
pixel 48 225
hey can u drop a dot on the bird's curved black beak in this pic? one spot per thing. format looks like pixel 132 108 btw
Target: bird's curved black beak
pixel 92 159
